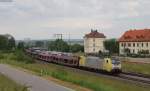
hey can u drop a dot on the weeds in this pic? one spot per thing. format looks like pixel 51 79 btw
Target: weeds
pixel 1 56
pixel 137 68
pixel 21 57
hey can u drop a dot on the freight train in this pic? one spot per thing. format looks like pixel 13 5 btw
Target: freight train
pixel 111 65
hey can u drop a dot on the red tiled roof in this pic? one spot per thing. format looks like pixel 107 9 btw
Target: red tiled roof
pixel 136 36
pixel 95 34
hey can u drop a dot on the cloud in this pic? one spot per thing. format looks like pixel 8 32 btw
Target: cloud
pixel 37 17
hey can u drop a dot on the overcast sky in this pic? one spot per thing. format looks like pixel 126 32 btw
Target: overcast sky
pixel 40 19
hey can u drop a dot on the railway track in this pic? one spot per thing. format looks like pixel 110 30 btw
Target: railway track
pixel 137 74
pixel 137 78
pixel 131 77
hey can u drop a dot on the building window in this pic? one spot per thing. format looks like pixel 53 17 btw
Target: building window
pixel 94 40
pixel 147 44
pixel 94 49
pixel 124 44
pixel 137 44
pixel 142 44
pixel 133 44
pixel 133 51
pixel 129 44
pixel 94 45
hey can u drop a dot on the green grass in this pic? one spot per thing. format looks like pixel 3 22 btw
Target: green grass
pixel 136 67
pixel 8 85
pixel 79 54
pixel 96 83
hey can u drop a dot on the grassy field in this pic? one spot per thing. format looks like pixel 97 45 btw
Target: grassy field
pixel 8 85
pixel 96 83
pixel 136 67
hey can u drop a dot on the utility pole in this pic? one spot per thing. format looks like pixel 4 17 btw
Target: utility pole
pixel 69 42
pixel 58 36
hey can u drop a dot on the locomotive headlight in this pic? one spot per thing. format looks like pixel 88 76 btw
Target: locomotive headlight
pixel 114 66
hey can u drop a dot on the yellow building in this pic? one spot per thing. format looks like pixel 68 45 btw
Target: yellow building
pixel 94 42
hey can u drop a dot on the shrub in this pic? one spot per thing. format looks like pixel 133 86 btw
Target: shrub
pixel 60 73
pixel 20 56
pixel 1 56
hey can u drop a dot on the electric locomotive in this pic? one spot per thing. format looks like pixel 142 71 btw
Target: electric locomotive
pixel 106 64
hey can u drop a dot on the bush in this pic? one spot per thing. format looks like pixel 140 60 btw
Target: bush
pixel 76 48
pixel 20 56
pixel 60 73
pixel 1 56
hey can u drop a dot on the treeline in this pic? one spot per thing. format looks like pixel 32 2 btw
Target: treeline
pixel 111 45
pixel 56 45
pixel 7 42
pixel 62 46
pixel 8 45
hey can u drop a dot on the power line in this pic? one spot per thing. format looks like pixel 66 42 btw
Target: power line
pixel 58 36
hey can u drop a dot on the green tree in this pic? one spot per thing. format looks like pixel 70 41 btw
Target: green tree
pixel 20 45
pixel 39 43
pixel 112 46
pixel 58 45
pixel 76 48
pixel 11 43
pixel 3 42
pixel 7 42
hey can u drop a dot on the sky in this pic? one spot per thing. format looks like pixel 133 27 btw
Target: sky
pixel 42 19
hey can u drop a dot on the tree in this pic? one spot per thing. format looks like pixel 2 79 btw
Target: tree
pixel 76 48
pixel 59 45
pixel 39 43
pixel 112 46
pixel 11 43
pixel 20 45
pixel 7 42
pixel 3 42
pixel 62 46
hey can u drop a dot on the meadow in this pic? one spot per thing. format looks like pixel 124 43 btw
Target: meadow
pixel 136 67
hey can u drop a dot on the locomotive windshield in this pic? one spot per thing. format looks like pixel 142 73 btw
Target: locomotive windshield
pixel 115 61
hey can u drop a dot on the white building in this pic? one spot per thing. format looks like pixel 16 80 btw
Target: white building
pixel 135 41
pixel 94 42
